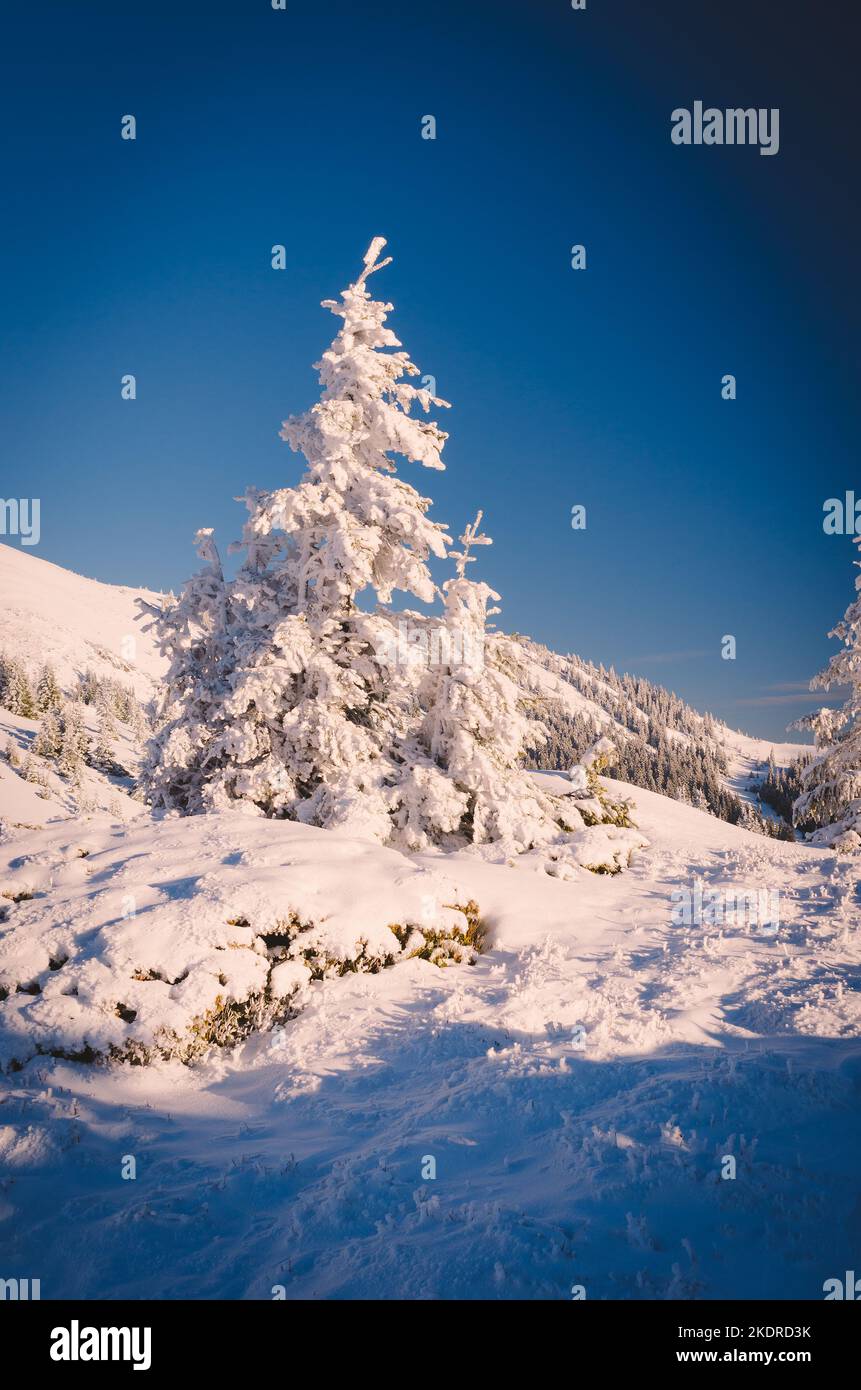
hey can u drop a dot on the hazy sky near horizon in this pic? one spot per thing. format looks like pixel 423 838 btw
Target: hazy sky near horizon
pixel 599 387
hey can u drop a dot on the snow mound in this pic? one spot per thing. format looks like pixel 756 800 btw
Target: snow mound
pixel 171 936
pixel 844 835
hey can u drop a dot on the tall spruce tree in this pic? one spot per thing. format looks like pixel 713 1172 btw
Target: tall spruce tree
pixel 314 709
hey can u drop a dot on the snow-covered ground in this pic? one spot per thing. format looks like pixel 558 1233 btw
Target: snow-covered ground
pixel 578 1090
pixel 579 1087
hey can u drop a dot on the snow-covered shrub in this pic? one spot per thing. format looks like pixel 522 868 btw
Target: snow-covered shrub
pixel 32 772
pixel 442 946
pixel 196 932
pixel 11 754
pixel 844 834
pixel 598 807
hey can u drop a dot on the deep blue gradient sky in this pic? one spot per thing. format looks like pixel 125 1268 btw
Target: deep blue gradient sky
pixel 599 387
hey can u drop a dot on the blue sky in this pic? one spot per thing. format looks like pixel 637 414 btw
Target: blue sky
pixel 255 127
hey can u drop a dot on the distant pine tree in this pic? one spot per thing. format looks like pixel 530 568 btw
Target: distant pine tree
pixel 88 687
pixel 49 740
pixel 48 693
pixel 74 743
pixel 103 754
pixel 16 693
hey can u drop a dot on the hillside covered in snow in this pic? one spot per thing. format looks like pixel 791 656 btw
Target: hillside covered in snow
pixel 77 624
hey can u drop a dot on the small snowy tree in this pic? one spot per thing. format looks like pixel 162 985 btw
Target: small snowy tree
pixel 831 782
pixel 32 772
pixel 74 744
pixel 49 740
pixel 16 694
pixel 194 631
pixel 103 753
pixel 88 686
pixel 475 731
pixel 48 693
pixel 124 705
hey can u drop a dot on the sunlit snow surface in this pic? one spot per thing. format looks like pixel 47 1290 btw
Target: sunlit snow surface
pixel 578 1088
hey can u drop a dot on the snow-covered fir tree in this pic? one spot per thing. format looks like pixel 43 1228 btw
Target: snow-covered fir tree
pixel 88 686
pixel 74 744
pixel 831 781
pixel 48 692
pixel 16 692
pixel 103 753
pixel 475 731
pixel 183 758
pixel 307 725
pixel 49 740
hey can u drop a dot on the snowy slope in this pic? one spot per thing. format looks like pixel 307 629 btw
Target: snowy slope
pixel 748 756
pixel 50 614
pixel 580 690
pixel 578 1089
